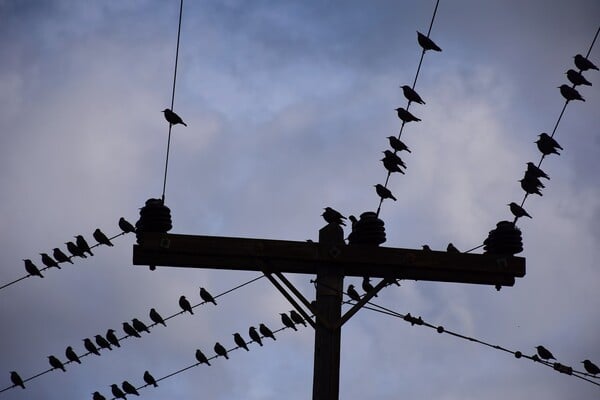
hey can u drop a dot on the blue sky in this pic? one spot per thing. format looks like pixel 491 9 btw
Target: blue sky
pixel 288 106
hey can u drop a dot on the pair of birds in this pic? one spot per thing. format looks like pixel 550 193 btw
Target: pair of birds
pixel 185 305
pixel 366 286
pixel 290 321
pixel 589 366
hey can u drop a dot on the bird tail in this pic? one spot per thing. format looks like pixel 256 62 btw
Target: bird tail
pixel 183 123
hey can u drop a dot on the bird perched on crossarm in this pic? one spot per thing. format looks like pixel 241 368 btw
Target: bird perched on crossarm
pixel 332 216
pixel 173 118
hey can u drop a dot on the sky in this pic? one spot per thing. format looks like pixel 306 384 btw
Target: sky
pixel 288 106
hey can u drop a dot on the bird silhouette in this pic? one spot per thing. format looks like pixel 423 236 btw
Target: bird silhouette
pixel 60 257
pixel 332 216
pixel 452 249
pixel 530 186
pixel 426 43
pixel 220 350
pixel 101 238
pixel 74 250
pixel 126 226
pixel 173 118
pixel 207 297
pixel 391 166
pixel 287 321
pixel 83 245
pixel 530 176
pixel 239 340
pixel 384 192
pixel 352 219
pixel 353 293
pixel 156 318
pixel 129 388
pixel 97 396
pixel 411 95
pixel 49 261
pixel 254 335
pixel 544 353
pixel 394 158
pixel 117 392
pixel 102 342
pixel 130 330
pixel 56 364
pixel 426 247
pixel 583 63
pixel 576 78
pixel 89 346
pixel 590 367
pixel 139 326
pixel 71 355
pixel 406 116
pixel 185 305
pixel 517 210
pixel 149 379
pixel 547 145
pixel 570 93
pixel 112 338
pixel 265 331
pixel 32 269
pixel 536 171
pixel 16 379
pixel 297 318
pixel 366 285
pixel 201 357
pixel 397 144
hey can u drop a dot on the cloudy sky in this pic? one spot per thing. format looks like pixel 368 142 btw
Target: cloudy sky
pixel 288 106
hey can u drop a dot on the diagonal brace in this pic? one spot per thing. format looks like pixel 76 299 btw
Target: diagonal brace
pixel 289 298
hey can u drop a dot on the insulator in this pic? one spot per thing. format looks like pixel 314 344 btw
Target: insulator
pixel 154 217
pixel 505 239
pixel 367 230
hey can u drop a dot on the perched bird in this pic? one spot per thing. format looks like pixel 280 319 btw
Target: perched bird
pixel 406 116
pixel 56 364
pixel 201 357
pixel 129 388
pixel 254 335
pixel 185 305
pixel 530 186
pixel 103 343
pixel 451 248
pixel 97 396
pixel 156 318
pixel 139 326
pixel 533 179
pixel 426 247
pixel 518 211
pixel 16 379
pixel 101 238
pixel 49 261
pixel 394 157
pixel 149 379
pixel 590 367
pixel 332 216
pixel 32 269
pixel 60 257
pixel 74 250
pixel 117 392
pixel 112 338
pixel 352 219
pixel 536 171
pixel 126 226
pixel 287 321
pixel 583 63
pixel 384 192
pixel 207 297
pixel 353 293
pixel 397 144
pixel 411 95
pixel 576 78
pixel 391 166
pixel 544 353
pixel 173 118
pixel 83 245
pixel 547 145
pixel 426 43
pixel 239 340
pixel 570 93
pixel 89 346
pixel 297 318
pixel 220 350
pixel 366 285
pixel 265 331
pixel 130 330
pixel 71 355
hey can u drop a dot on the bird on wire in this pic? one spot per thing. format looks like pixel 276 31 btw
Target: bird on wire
pixel 583 63
pixel 239 340
pixel 411 95
pixel 405 115
pixel 426 43
pixel 206 296
pixel 530 176
pixel 60 257
pixel 530 186
pixel 56 363
pixel 397 144
pixel 391 166
pixel 547 145
pixel 366 285
pixel 173 118
pixel 83 245
pixel 156 317
pixel 536 171
pixel 126 226
pixel 384 192
pixel 185 305
pixel 590 367
pixel 71 355
pixel 16 379
pixel 129 388
pixel 89 346
pixel 353 293
pixel 101 238
pixel 220 350
pixel 74 250
pixel 266 332
pixel 254 335
pixel 97 396
pixel 139 326
pixel 32 269
pixel 112 338
pixel 518 211
pixel 544 353
pixel 394 158
pixel 576 78
pixel 130 330
pixel 102 342
pixel 332 216
pixel 570 93
pixel 49 261
pixel 201 358
pixel 117 392
pixel 287 321
pixel 297 318
pixel 149 379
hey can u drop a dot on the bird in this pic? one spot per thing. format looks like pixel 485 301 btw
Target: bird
pixel 353 293
pixel 220 350
pixel 397 144
pixel 117 392
pixel 49 261
pixel 60 257
pixel 71 355
pixel 32 269
pixel 130 330
pixel 530 176
pixel 570 93
pixel 112 338
pixel 239 340
pixel 129 388
pixel 287 321
pixel 426 43
pixel 352 219
pixel 536 171
pixel 394 158
pixel 207 297
pixel 518 211
pixel 83 245
pixel 583 63
pixel 156 318
pixel 366 285
pixel 126 226
pixel 547 145
pixel 265 331
pixel 74 250
pixel 426 247
pixel 89 346
pixel 576 78
pixel 530 186
pixel 391 166
pixel 544 353
pixel 451 248
pixel 254 335
pixel 332 216
pixel 149 379
pixel 97 396
pixel 297 318
pixel 101 238
pixel 590 367
pixel 405 115
pixel 185 305
pixel 384 192
pixel 102 342
pixel 16 379
pixel 56 364
pixel 411 95
pixel 201 357
pixel 173 118
pixel 139 326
